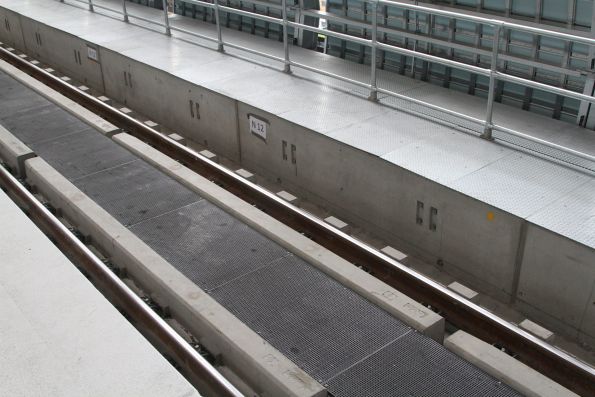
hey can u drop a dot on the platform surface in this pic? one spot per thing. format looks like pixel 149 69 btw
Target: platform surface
pixel 545 193
pixel 58 335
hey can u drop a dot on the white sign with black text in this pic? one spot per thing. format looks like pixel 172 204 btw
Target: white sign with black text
pixel 92 53
pixel 258 127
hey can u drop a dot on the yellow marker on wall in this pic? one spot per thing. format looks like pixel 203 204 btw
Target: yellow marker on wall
pixel 490 216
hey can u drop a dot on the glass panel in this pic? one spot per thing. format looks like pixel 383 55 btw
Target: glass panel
pixel 524 8
pixel 584 12
pixel 555 10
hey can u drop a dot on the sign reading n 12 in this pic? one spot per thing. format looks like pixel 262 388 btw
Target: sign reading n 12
pixel 92 53
pixel 258 127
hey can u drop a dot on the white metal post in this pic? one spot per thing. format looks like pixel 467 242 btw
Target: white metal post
pixel 488 125
pixel 287 67
pixel 373 87
pixel 218 23
pixel 124 11
pixel 166 18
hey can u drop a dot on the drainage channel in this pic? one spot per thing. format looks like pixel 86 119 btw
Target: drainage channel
pixel 342 340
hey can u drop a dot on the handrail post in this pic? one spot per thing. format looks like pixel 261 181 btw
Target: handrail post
pixel 91 6
pixel 287 66
pixel 166 18
pixel 373 88
pixel 124 11
pixel 488 125
pixel 218 23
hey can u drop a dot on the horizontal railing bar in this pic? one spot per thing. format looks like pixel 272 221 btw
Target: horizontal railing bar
pixel 431 106
pixel 329 74
pixel 96 5
pixel 326 32
pixel 251 51
pixel 441 42
pixel 435 59
pixel 145 19
pixel 549 144
pixel 188 32
pixel 544 87
pixel 256 2
pixel 252 14
pixel 489 21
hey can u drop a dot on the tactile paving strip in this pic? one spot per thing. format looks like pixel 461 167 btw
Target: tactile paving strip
pixel 315 321
pixel 413 366
pixel 135 191
pixel 207 245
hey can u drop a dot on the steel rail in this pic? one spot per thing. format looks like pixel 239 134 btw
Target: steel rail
pixel 543 357
pixel 200 373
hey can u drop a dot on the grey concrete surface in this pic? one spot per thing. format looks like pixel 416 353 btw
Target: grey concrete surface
pixel 502 366
pixel 60 336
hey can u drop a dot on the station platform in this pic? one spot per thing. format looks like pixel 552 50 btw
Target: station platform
pixel 517 224
pixel 59 336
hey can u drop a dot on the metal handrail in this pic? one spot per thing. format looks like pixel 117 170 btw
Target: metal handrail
pixel 492 72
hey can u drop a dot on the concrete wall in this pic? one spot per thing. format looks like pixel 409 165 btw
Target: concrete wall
pixel 556 277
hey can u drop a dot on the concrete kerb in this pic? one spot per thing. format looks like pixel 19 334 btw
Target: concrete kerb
pixel 240 348
pixel 388 298
pixel 14 152
pixel 504 367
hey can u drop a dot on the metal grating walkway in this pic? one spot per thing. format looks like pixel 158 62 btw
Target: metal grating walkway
pixel 334 334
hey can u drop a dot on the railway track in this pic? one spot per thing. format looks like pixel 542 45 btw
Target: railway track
pixel 462 314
